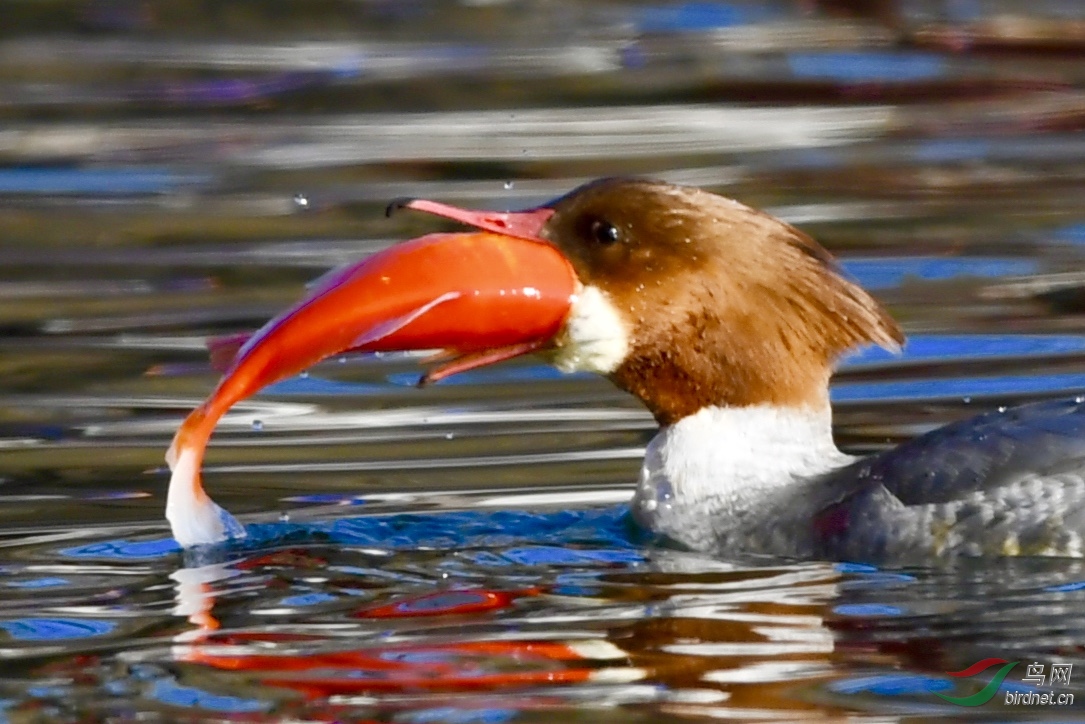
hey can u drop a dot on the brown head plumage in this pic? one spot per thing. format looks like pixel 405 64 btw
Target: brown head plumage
pixel 725 305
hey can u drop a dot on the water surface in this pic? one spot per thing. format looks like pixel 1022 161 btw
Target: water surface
pixel 461 553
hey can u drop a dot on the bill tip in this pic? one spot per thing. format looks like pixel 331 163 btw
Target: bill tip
pixel 396 205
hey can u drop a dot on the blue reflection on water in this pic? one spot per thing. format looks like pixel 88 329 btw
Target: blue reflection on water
pixel 39 583
pixel 867 610
pixel 528 373
pixel 889 272
pixel 308 599
pixel 890 685
pixel 124 549
pixel 1073 234
pixel 228 91
pixel 172 693
pixel 950 347
pixel 865 66
pixel 326 499
pixel 312 385
pixel 560 556
pixel 867 577
pixel 952 150
pixel 696 16
pixel 577 583
pixel 53 629
pixel 450 715
pixel 111 182
pixel 441 601
pixel 964 387
pixel 607 527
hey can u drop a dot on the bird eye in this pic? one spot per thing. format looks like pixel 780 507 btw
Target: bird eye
pixel 604 232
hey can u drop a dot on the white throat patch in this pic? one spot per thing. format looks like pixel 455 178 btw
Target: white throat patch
pixel 595 337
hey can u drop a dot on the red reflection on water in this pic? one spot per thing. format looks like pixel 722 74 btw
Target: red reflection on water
pixel 441 603
pixel 470 665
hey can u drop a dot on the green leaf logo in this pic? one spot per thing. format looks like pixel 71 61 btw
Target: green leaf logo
pixel 985 694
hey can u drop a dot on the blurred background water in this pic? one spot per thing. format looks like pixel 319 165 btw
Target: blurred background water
pixel 178 169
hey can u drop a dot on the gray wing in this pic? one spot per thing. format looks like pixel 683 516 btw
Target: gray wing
pixel 1004 483
pixel 984 452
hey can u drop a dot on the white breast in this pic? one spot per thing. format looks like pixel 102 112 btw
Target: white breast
pixel 726 468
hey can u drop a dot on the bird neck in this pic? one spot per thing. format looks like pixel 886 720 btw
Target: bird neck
pixel 732 464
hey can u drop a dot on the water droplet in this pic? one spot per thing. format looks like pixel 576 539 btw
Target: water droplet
pixel 509 185
pixel 257 425
pixel 301 201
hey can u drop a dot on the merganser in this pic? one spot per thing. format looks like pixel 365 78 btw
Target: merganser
pixel 726 323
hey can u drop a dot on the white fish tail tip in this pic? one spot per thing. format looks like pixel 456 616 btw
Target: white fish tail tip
pixel 194 518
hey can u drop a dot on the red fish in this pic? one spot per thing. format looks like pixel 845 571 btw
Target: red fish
pixel 481 297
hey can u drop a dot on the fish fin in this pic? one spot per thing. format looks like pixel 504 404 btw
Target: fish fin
pixel 473 360
pixel 380 331
pixel 224 349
